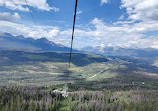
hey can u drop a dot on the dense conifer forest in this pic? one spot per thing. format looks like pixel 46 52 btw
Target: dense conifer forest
pixel 44 99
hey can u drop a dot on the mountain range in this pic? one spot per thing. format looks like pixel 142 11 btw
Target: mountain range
pixel 122 51
pixel 8 41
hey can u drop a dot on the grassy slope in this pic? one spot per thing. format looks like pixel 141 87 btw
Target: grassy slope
pixel 42 69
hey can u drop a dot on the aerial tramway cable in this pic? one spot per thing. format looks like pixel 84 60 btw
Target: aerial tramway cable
pixel 73 30
pixel 33 18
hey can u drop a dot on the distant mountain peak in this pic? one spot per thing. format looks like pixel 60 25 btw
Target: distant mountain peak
pixel 20 42
pixel 6 35
pixel 20 37
pixel 44 39
pixel 60 45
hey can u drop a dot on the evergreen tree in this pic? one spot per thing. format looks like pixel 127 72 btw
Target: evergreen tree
pixel 1 105
pixel 12 107
pixel 7 107
pixel 31 106
pixel 37 107
pixel 43 104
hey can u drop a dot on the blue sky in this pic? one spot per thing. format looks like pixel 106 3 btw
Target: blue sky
pixel 123 23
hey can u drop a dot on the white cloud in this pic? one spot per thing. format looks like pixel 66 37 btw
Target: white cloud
pixel 21 5
pixel 121 17
pixel 6 16
pixel 142 13
pixel 126 35
pixel 27 31
pixel 151 42
pixel 143 10
pixel 142 18
pixel 104 1
pixel 95 34
pixel 122 35
pixel 79 12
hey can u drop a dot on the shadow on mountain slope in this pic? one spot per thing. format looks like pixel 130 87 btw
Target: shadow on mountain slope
pixel 10 57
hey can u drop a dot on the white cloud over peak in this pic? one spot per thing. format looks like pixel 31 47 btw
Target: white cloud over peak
pixel 98 33
pixel 21 5
pixel 6 16
pixel 104 1
pixel 126 35
pixel 29 31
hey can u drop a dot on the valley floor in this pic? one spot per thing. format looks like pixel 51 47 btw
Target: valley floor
pixel 36 81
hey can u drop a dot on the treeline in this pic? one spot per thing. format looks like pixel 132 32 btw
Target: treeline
pixel 44 99
pixel 113 85
pixel 114 101
pixel 28 99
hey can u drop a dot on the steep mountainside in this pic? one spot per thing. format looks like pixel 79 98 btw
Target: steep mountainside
pixel 8 41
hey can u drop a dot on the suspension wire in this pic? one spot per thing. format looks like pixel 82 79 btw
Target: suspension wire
pixel 73 30
pixel 33 18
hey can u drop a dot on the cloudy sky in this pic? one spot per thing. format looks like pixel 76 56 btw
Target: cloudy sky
pixel 125 23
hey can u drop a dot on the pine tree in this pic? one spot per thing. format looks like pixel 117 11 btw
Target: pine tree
pixel 87 107
pixel 43 104
pixel 18 103
pixel 31 106
pixel 12 107
pixel 7 107
pixel 37 108
pixel 1 105
pixel 51 106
